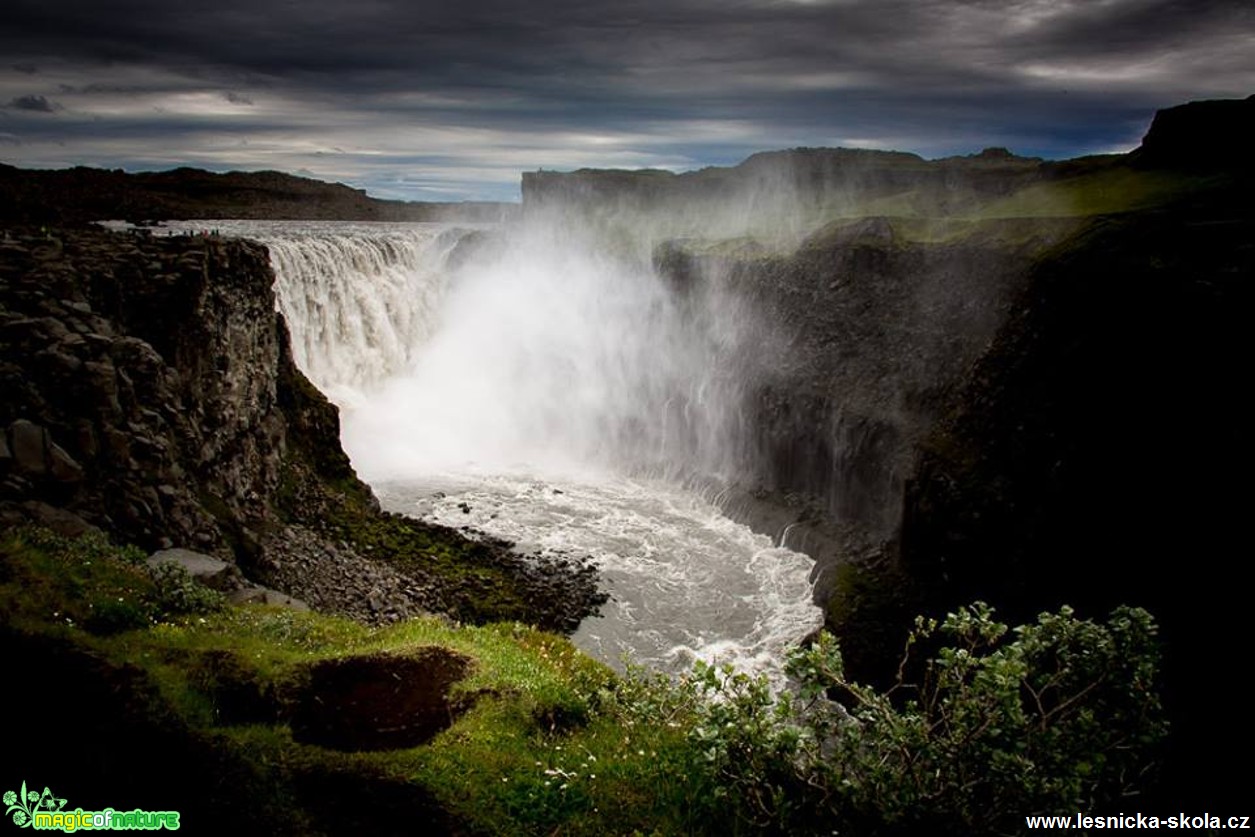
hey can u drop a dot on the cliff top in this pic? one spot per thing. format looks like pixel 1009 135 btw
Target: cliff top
pixel 83 194
pixel 1184 145
pixel 1209 134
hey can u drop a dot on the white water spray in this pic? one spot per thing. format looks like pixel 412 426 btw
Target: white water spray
pixel 550 388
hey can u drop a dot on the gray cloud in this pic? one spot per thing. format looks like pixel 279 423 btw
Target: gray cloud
pixel 398 96
pixel 39 104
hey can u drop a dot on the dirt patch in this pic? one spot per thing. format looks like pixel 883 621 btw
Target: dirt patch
pixel 381 701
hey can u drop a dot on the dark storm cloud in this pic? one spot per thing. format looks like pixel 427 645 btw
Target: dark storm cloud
pixel 633 82
pixel 40 104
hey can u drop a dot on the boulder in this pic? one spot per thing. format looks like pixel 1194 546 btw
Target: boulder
pixel 63 522
pixel 256 594
pixel 62 466
pixel 205 569
pixel 27 441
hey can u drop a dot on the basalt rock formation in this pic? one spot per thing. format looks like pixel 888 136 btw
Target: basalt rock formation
pixel 1095 456
pixel 149 392
pixel 1004 379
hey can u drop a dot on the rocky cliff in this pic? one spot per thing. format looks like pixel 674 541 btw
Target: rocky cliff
pixel 148 369
pixel 1005 379
pixel 1096 455
pixel 150 393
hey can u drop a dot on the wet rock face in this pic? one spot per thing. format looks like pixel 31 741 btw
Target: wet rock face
pixel 379 702
pixel 140 378
pixel 150 392
pixel 872 330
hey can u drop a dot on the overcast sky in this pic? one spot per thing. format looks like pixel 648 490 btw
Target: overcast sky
pixel 452 99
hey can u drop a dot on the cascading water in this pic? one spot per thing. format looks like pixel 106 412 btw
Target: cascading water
pixel 548 387
pixel 361 298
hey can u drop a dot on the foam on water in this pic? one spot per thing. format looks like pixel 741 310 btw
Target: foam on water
pixel 536 385
pixel 686 582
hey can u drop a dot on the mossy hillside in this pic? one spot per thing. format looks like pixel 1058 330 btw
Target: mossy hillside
pixel 198 711
pixel 1056 201
pixel 1078 189
pixel 533 751
pixel 1101 189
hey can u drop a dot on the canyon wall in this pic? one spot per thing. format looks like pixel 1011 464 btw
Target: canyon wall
pixel 1010 380
pixel 150 393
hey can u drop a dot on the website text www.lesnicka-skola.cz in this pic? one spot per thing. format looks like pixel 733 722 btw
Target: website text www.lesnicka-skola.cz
pixel 1087 822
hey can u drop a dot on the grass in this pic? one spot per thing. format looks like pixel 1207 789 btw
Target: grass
pixel 1102 192
pixel 542 740
pixel 1045 209
pixel 547 746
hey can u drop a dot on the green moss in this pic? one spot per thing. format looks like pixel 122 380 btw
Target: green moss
pixel 536 751
pixel 475 585
pixel 85 583
pixel 542 740
pixel 1100 192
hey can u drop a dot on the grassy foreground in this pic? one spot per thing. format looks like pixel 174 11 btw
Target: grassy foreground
pixel 536 747
pixel 209 705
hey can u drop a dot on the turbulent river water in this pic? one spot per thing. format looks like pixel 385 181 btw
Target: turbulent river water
pixel 542 387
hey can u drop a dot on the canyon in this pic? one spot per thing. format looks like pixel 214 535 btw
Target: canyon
pixel 985 377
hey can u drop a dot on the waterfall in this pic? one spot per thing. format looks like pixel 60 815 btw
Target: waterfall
pixel 539 348
pixel 359 303
pixel 541 382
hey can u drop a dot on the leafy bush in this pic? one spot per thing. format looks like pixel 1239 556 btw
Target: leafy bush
pixel 983 726
pixel 89 582
pixel 177 593
pixel 1056 716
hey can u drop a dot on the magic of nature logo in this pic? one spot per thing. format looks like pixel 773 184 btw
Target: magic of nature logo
pixel 46 812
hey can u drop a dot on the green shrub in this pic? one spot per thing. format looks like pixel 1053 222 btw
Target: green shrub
pixel 984 725
pixel 1056 716
pixel 87 581
pixel 178 594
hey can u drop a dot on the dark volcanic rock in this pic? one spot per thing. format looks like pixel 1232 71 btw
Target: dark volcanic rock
pixel 1094 458
pixel 1215 134
pixel 870 332
pixel 150 392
